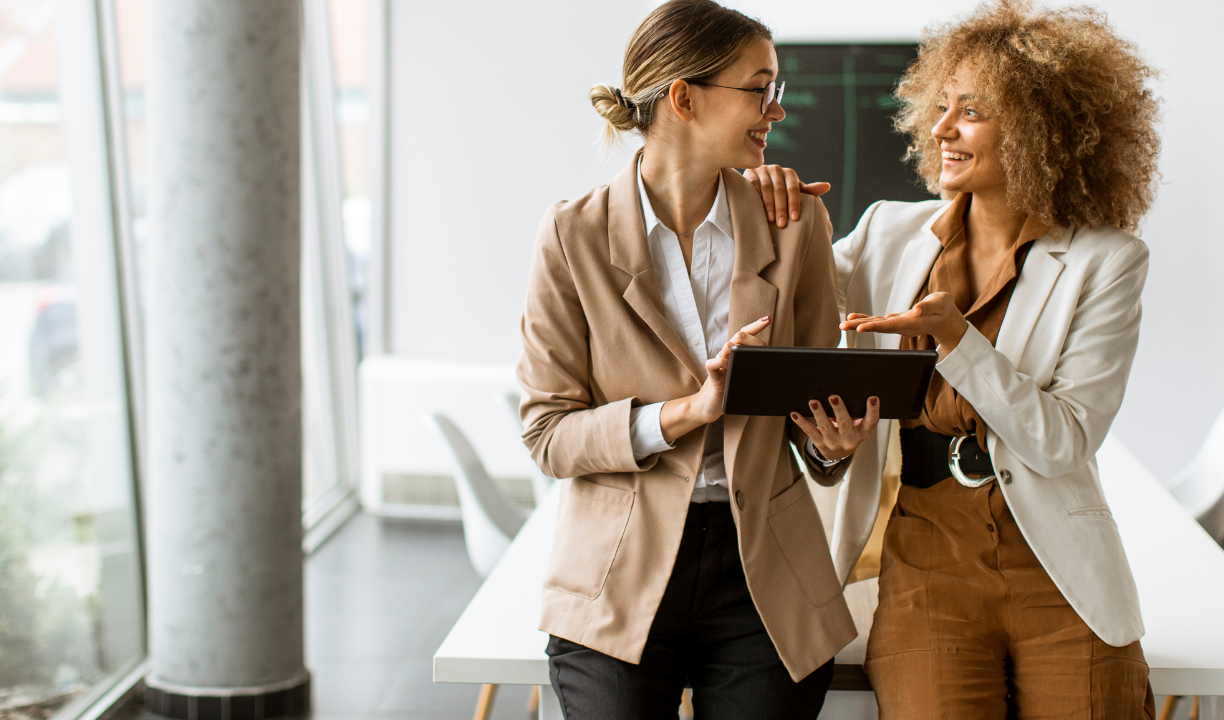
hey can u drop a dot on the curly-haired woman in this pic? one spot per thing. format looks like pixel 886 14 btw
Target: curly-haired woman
pixel 1004 588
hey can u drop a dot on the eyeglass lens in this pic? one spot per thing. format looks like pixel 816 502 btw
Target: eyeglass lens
pixel 768 96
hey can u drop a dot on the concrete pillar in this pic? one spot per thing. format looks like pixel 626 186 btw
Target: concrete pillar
pixel 224 369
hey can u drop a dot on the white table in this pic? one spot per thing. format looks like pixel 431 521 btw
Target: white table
pixel 1178 568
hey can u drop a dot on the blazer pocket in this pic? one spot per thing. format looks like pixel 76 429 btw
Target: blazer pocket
pixel 590 525
pixel 795 524
pixel 1092 512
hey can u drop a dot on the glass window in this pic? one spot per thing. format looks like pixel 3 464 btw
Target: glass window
pixel 350 30
pixel 71 591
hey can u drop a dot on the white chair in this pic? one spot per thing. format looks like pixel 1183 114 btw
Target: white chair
pixel 490 522
pixel 1200 486
pixel 540 483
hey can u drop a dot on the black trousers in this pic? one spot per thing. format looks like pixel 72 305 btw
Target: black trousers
pixel 707 633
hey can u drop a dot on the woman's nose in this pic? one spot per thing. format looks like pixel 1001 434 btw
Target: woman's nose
pixel 944 128
pixel 775 112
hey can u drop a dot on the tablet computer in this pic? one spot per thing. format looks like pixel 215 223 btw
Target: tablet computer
pixel 781 380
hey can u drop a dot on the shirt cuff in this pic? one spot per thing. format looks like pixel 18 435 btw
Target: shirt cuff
pixel 646 432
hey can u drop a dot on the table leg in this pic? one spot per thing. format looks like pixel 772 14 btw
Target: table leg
pixel 550 706
pixel 1211 707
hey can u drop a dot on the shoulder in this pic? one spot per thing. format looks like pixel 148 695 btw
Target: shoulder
pixel 585 211
pixel 896 216
pixel 1100 242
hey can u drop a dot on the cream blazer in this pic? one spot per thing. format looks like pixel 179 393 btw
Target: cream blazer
pixel 595 344
pixel 1047 390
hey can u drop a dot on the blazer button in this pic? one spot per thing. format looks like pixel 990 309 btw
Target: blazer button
pixel 739 499
pixel 1005 477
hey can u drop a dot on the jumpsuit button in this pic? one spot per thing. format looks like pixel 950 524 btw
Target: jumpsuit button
pixel 739 499
pixel 1005 477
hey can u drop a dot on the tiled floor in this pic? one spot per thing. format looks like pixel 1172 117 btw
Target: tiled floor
pixel 380 597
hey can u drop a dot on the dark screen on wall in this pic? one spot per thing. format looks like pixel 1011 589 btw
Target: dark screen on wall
pixel 838 125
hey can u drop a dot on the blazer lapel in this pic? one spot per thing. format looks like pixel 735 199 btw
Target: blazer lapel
pixel 912 272
pixel 1037 278
pixel 752 296
pixel 629 251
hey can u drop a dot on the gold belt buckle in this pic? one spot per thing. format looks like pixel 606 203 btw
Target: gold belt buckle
pixel 954 457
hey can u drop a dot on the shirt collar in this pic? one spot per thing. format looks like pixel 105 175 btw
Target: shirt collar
pixel 719 215
pixel 952 223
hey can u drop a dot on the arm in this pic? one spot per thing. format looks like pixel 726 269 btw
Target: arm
pixel 567 435
pixel 1058 429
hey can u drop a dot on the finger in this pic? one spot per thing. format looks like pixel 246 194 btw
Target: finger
pixel 794 190
pixel 751 176
pixel 765 187
pixel 867 424
pixel 718 362
pixel 808 428
pixel 778 180
pixel 817 188
pixel 844 422
pixel 855 316
pixel 743 338
pixel 756 326
pixel 822 420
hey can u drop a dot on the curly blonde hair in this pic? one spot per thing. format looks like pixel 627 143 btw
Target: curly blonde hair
pixel 1079 144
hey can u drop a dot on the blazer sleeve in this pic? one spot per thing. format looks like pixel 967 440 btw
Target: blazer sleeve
pixel 1057 429
pixel 567 434
pixel 816 316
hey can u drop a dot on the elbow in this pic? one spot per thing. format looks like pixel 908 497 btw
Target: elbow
pixel 1064 452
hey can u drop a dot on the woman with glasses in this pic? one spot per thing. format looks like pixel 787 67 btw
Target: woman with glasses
pixel 688 550
pixel 1004 588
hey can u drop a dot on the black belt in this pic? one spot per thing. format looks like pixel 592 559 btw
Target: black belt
pixel 928 457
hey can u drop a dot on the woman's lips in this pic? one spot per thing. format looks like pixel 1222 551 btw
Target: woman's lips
pixel 758 137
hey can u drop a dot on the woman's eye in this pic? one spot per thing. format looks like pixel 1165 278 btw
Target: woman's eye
pixel 971 112
pixel 942 108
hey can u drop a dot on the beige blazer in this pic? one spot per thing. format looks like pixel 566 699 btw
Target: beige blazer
pixel 1047 390
pixel 596 343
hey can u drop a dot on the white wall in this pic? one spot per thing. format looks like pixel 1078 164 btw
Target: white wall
pixel 491 124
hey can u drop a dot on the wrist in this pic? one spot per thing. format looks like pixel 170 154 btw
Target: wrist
pixel 949 338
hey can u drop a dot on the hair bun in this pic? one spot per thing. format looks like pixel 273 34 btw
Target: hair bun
pixel 622 100
pixel 619 111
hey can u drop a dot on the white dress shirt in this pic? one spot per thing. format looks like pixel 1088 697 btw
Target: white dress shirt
pixel 697 302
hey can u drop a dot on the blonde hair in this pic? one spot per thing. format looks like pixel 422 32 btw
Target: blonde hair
pixel 1078 120
pixel 681 39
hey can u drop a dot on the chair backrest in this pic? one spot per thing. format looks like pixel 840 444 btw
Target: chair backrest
pixel 490 522
pixel 1200 486
pixel 540 483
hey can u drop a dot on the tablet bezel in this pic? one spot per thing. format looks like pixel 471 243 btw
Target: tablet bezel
pixel 900 379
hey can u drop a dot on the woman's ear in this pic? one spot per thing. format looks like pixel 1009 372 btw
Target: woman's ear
pixel 680 100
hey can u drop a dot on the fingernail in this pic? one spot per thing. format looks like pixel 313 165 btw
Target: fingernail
pixel 794 416
pixel 874 401
pixel 795 215
pixel 771 217
pixel 833 400
pixel 763 319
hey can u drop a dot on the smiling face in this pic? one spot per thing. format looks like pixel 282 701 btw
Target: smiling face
pixel 728 123
pixel 968 134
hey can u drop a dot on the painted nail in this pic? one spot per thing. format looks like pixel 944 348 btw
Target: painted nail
pixel 874 401
pixel 794 416
pixel 833 400
pixel 763 319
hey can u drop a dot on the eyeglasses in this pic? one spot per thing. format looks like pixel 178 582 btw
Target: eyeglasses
pixel 769 93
